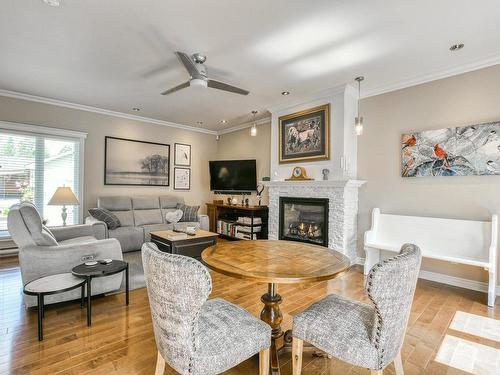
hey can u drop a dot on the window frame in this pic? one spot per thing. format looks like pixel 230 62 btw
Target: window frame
pixel 57 133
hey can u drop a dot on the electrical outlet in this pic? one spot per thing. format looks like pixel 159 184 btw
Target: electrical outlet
pixel 86 258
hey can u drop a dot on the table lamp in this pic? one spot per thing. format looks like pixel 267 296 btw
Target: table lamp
pixel 62 197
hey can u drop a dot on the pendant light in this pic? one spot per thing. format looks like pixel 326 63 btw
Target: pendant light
pixel 358 125
pixel 253 130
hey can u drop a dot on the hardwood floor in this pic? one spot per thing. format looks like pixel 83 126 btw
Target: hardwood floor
pixel 121 339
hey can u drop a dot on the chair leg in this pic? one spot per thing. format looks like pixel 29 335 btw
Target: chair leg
pixel 160 365
pixel 297 346
pixel 264 362
pixel 398 363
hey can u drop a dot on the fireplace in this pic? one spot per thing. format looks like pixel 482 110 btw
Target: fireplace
pixel 304 220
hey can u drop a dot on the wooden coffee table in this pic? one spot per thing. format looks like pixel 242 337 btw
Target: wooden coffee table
pixel 275 262
pixel 192 246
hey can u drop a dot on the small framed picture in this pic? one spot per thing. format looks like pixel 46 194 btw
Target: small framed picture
pixel 182 178
pixel 182 154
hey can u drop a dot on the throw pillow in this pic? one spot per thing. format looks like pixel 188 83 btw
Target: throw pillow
pixel 173 216
pixel 104 215
pixel 190 213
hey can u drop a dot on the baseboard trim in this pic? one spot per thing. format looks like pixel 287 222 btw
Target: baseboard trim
pixel 442 278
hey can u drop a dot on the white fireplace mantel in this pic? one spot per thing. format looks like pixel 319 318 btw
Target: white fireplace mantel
pixel 315 183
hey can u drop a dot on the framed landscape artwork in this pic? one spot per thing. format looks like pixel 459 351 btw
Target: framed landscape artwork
pixel 131 162
pixel 305 135
pixel 182 154
pixel 462 151
pixel 182 178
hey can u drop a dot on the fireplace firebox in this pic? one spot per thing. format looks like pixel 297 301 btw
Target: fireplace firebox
pixel 304 220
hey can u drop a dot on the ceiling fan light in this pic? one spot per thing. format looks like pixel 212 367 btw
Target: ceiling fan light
pixel 358 126
pixel 253 131
pixel 197 82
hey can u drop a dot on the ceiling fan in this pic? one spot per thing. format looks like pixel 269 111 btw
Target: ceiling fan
pixel 198 75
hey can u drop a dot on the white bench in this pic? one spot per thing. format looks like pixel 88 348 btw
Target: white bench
pixel 458 241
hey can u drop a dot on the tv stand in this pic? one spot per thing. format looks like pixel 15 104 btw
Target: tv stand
pixel 223 219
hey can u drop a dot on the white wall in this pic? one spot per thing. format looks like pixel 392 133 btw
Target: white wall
pixel 342 137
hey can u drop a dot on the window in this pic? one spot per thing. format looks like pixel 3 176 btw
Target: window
pixel 33 165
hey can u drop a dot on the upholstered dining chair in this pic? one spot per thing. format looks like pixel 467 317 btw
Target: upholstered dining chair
pixel 194 335
pixel 365 335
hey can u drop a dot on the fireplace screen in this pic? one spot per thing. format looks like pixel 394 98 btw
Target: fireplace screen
pixel 304 219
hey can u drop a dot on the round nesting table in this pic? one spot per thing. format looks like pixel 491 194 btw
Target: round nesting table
pixel 100 270
pixel 275 262
pixel 52 284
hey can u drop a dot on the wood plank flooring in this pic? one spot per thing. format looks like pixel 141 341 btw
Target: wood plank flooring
pixel 121 339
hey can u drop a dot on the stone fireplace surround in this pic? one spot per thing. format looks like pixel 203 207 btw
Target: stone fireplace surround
pixel 342 214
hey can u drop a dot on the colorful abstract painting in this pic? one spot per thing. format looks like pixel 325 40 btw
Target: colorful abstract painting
pixel 465 151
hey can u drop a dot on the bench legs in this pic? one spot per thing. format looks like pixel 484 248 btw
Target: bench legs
pixel 372 258
pixel 492 283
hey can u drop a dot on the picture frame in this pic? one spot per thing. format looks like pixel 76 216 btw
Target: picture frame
pixel 182 178
pixel 305 136
pixel 132 162
pixel 182 154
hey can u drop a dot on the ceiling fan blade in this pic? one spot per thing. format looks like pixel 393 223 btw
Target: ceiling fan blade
pixel 189 64
pixel 224 86
pixel 176 88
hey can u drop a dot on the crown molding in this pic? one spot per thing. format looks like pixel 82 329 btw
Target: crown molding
pixel 262 121
pixel 81 107
pixel 429 77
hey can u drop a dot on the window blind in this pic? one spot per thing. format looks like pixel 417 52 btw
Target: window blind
pixel 32 166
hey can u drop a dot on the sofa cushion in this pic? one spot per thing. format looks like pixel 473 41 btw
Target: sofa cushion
pixel 155 227
pixel 145 203
pixel 143 217
pixel 105 215
pixel 126 218
pixel 190 213
pixel 173 216
pixel 114 203
pixel 170 201
pixel 130 238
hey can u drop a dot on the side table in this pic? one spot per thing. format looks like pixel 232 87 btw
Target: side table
pixel 100 270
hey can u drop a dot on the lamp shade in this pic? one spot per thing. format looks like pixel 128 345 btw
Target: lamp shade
pixel 63 196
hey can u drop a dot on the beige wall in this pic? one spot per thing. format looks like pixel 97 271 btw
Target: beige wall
pixel 98 126
pixel 240 145
pixel 466 99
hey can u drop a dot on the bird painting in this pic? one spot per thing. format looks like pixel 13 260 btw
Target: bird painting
pixel 461 151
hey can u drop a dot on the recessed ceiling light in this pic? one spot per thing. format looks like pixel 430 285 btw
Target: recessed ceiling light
pixel 52 3
pixel 285 93
pixel 135 109
pixel 457 47
pixel 223 121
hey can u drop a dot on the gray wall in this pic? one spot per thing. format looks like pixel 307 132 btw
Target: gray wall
pixel 470 98
pixel 98 126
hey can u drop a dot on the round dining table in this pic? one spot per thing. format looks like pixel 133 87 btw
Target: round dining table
pixel 275 262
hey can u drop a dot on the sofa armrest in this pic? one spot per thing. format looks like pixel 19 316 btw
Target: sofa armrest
pixel 72 231
pixel 39 261
pixel 100 227
pixel 204 223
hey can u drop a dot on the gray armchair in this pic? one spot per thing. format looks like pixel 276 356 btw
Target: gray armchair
pixel 193 335
pixel 365 335
pixel 44 251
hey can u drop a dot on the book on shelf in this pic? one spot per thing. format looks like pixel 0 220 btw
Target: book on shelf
pixel 248 220
pixel 241 229
pixel 234 230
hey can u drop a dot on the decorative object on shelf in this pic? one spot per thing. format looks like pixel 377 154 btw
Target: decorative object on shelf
pixel 229 200
pixel 182 154
pixel 243 199
pixel 131 162
pixel 299 174
pixel 247 202
pixel 253 130
pixel 472 150
pixel 234 201
pixel 182 178
pixel 64 196
pixel 325 172
pixel 358 122
pixel 305 135
pixel 260 190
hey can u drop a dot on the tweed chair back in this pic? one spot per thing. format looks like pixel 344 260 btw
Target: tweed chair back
pixel 391 285
pixel 178 287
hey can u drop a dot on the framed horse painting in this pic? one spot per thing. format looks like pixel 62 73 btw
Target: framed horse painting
pixel 305 135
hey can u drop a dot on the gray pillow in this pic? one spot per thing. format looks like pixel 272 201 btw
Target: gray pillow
pixel 189 213
pixel 105 215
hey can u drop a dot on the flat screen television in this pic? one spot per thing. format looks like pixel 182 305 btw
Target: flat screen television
pixel 233 176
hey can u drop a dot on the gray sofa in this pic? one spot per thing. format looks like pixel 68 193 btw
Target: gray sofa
pixel 48 251
pixel 139 216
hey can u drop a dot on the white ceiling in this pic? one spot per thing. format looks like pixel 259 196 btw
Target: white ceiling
pixel 118 54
